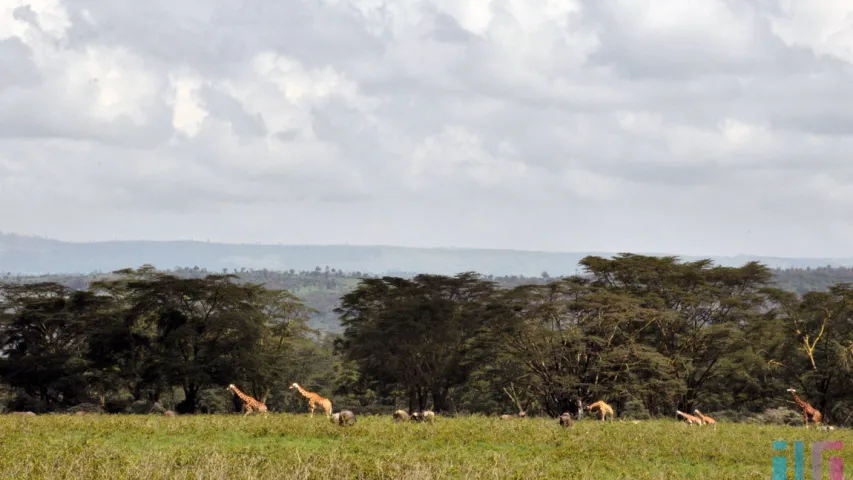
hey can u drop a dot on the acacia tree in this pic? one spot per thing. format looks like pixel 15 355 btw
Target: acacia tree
pixel 578 341
pixel 815 353
pixel 706 309
pixel 272 364
pixel 44 339
pixel 416 334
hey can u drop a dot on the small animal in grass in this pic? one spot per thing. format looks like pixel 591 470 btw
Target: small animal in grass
pixel 425 416
pixel 400 416
pixel 566 420
pixel 347 418
pixel 343 418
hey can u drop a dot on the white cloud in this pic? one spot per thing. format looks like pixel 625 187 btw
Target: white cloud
pixel 551 124
pixel 187 110
pixel 825 26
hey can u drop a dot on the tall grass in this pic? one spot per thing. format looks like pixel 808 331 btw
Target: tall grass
pixel 296 446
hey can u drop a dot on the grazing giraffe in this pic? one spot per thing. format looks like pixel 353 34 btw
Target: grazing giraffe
pixel 809 412
pixel 249 403
pixel 705 419
pixel 690 418
pixel 314 400
pixel 603 409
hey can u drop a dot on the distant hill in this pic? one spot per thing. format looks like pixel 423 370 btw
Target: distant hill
pixel 322 289
pixel 34 255
pixel 319 280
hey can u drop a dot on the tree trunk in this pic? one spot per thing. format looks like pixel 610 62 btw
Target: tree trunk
pixel 439 400
pixel 422 399
pixel 189 405
pixel 411 400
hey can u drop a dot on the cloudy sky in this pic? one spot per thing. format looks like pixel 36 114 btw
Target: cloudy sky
pixel 704 127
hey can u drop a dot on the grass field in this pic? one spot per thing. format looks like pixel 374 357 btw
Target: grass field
pixel 296 446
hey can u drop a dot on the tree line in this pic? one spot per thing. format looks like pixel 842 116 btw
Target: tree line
pixel 320 288
pixel 648 334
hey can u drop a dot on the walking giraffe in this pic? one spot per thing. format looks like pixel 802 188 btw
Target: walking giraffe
pixel 249 403
pixel 809 412
pixel 314 400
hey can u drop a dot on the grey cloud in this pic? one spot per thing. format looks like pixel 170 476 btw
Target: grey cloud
pixel 25 14
pixel 445 28
pixel 522 97
pixel 228 108
pixel 216 37
pixel 62 119
pixel 16 64
pixel 682 54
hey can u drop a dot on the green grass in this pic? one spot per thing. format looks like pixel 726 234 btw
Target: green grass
pixel 296 446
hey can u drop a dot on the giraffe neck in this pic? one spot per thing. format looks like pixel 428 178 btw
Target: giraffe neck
pixel 801 403
pixel 305 393
pixel 242 395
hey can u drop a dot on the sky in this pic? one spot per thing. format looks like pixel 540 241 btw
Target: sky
pixel 713 127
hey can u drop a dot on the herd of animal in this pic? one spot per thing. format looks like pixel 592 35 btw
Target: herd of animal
pixel 343 418
pixel 347 417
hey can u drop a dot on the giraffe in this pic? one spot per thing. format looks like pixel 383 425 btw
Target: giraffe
pixel 603 409
pixel 690 418
pixel 314 400
pixel 809 412
pixel 249 403
pixel 705 419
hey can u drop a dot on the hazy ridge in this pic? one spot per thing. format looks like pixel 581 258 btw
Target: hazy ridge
pixel 35 255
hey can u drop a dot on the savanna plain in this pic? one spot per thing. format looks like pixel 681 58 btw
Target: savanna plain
pixel 299 447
